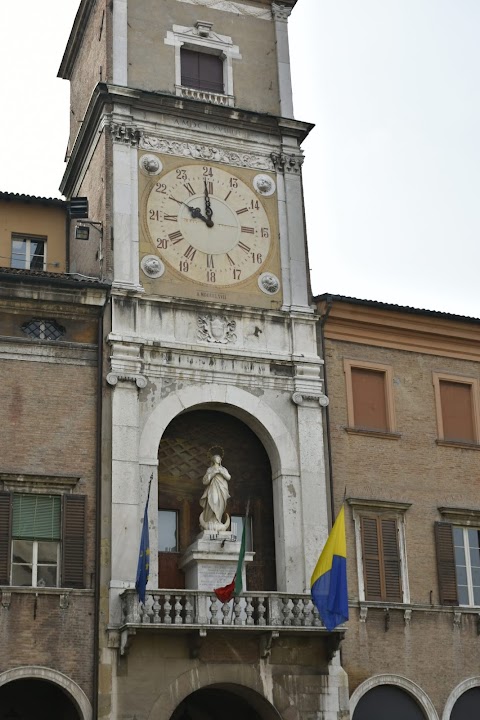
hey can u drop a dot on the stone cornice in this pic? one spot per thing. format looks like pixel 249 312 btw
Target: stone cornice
pixel 414 332
pixel 104 96
pixel 75 39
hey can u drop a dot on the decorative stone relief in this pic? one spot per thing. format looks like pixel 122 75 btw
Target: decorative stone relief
pixel 264 185
pixel 287 163
pixel 310 400
pixel 150 165
pixel 64 601
pixel 457 619
pixel 6 599
pixel 407 616
pixel 216 329
pixel 126 134
pixel 139 380
pixel 363 613
pixel 152 266
pixel 232 7
pixel 205 152
pixel 281 12
pixel 269 283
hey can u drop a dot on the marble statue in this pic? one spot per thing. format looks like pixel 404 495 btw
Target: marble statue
pixel 215 496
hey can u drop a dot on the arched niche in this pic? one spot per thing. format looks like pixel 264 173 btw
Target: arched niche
pixel 184 454
pixel 463 702
pixel 216 702
pixel 392 695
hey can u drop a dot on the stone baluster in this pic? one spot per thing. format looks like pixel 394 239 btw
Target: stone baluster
pixel 307 614
pixel 316 617
pixel 261 610
pixel 188 611
pixel 214 608
pixel 178 610
pixel 237 609
pixel 249 611
pixel 147 611
pixel 156 610
pixel 297 611
pixel 227 618
pixel 287 613
pixel 167 609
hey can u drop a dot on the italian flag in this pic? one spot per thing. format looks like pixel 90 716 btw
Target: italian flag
pixel 224 594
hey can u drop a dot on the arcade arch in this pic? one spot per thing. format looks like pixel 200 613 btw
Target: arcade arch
pixel 392 693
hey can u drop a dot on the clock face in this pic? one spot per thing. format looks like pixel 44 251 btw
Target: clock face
pixel 208 225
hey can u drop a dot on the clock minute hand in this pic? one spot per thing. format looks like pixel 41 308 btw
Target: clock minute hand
pixel 208 207
pixel 195 212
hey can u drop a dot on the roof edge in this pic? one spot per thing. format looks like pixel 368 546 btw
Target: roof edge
pixel 74 39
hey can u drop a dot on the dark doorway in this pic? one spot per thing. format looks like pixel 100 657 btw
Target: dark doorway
pixel 214 703
pixel 33 699
pixel 183 457
pixel 467 706
pixel 387 701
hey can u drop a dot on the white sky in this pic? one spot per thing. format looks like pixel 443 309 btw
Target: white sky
pixel 392 168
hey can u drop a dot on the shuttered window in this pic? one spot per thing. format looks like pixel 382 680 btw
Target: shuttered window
pixel 369 399
pixel 202 71
pixel 457 411
pixel 458 563
pixel 381 559
pixel 35 532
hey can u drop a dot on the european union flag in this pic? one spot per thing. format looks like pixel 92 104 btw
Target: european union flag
pixel 329 579
pixel 143 567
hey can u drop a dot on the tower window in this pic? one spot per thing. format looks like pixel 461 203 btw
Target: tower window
pixel 202 71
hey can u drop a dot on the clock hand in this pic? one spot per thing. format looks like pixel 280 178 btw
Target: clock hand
pixel 195 212
pixel 208 207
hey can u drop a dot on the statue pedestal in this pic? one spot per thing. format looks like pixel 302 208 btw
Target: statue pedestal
pixel 211 562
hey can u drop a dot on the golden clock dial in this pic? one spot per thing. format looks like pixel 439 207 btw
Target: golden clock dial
pixel 208 225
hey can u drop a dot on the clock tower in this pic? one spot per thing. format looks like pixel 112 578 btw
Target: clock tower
pixel 184 142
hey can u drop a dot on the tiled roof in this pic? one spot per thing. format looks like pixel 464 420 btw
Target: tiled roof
pixel 327 297
pixel 18 197
pixel 76 279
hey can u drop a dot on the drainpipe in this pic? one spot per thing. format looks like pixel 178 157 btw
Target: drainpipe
pixel 323 320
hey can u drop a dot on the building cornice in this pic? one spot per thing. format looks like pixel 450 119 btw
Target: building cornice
pixel 75 39
pixel 399 328
pixel 105 96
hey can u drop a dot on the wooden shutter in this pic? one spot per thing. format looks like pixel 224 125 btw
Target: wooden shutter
pixel 5 536
pixel 369 399
pixel 73 548
pixel 202 71
pixel 391 561
pixel 371 559
pixel 447 575
pixel 457 411
pixel 381 559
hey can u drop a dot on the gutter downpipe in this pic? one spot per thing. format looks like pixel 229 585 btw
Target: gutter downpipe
pixel 323 320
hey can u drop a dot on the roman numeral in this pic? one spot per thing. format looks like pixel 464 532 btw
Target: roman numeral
pixel 189 189
pixel 228 195
pixel 174 218
pixel 176 237
pixel 232 262
pixel 242 210
pixel 210 187
pixel 190 252
pixel 210 261
pixel 244 247
pixel 247 230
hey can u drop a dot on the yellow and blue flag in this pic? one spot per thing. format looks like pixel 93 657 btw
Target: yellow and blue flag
pixel 329 579
pixel 143 567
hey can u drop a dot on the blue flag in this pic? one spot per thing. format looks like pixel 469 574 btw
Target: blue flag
pixel 329 579
pixel 143 567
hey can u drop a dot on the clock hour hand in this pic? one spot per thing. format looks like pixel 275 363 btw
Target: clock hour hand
pixel 195 212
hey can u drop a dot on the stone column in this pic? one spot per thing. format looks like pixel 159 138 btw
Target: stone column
pixel 281 13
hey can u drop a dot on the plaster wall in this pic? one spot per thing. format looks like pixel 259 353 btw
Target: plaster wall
pixel 36 220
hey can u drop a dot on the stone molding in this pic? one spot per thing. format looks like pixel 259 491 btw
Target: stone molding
pixel 26 482
pixel 236 8
pixel 461 688
pixel 72 690
pixel 303 399
pixel 197 151
pixel 287 163
pixel 419 695
pixel 281 12
pixel 139 380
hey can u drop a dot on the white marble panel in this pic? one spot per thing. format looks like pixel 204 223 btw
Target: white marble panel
pixel 120 32
pixel 125 482
pixel 124 443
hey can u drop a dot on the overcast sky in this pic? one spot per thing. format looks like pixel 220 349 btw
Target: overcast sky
pixel 392 168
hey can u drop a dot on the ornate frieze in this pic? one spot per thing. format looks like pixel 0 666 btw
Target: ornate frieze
pixel 216 329
pixel 287 163
pixel 236 8
pixel 198 151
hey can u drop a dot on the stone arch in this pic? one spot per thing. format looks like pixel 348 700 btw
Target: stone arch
pixel 247 407
pixel 38 672
pixel 419 695
pixel 457 693
pixel 243 677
